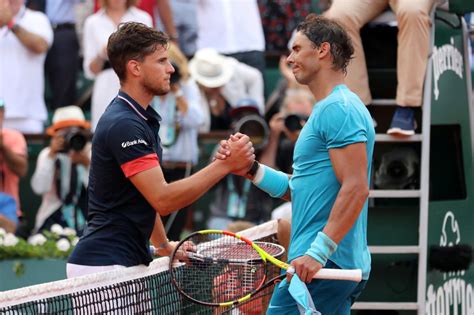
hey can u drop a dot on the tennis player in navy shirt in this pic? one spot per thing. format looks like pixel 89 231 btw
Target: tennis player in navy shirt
pixel 127 188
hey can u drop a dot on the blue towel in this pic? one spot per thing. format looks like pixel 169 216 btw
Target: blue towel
pixel 299 292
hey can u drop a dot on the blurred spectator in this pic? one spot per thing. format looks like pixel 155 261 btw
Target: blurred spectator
pixel 62 61
pixel 13 165
pixel 279 19
pixel 62 171
pixel 161 8
pixel 181 115
pixel 235 198
pixel 233 28
pixel 222 82
pixel 285 127
pixel 185 21
pixel 97 29
pixel 25 37
pixel 414 25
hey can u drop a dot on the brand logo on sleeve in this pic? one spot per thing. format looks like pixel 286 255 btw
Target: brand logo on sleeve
pixel 133 142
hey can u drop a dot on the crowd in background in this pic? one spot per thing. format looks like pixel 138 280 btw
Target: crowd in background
pixel 218 84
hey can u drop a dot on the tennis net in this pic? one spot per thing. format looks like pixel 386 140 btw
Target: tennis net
pixel 135 290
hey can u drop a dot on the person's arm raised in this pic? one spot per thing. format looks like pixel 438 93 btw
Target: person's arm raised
pixel 168 197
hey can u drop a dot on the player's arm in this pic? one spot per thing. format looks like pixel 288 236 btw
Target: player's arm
pixel 273 182
pixel 350 166
pixel 168 197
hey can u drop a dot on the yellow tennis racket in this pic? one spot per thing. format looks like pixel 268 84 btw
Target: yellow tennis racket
pixel 225 268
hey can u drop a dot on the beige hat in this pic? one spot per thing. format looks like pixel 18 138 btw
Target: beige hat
pixel 211 69
pixel 68 116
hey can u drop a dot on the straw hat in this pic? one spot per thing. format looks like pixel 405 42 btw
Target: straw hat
pixel 68 116
pixel 211 69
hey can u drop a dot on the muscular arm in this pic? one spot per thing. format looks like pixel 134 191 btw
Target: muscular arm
pixel 33 42
pixel 167 197
pixel 350 166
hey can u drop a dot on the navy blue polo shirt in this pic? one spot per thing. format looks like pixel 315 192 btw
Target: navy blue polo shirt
pixel 120 220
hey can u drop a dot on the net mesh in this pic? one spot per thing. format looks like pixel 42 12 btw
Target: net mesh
pixel 136 290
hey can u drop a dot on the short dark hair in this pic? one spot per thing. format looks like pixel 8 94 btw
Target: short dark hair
pixel 320 29
pixel 133 41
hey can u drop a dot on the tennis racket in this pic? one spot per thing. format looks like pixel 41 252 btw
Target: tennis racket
pixel 225 268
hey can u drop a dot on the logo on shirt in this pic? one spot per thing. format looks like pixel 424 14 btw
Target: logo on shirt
pixel 133 142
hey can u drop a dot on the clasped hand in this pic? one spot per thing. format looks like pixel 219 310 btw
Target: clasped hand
pixel 238 152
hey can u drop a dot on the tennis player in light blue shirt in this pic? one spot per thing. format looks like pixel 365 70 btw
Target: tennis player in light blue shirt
pixel 330 183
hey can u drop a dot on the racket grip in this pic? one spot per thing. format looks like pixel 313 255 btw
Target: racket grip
pixel 335 274
pixel 151 250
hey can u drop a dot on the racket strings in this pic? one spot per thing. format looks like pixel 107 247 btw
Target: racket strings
pixel 223 269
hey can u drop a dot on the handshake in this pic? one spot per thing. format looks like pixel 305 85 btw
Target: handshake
pixel 237 154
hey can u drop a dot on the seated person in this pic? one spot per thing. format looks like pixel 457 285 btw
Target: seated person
pixel 414 25
pixel 223 81
pixel 62 172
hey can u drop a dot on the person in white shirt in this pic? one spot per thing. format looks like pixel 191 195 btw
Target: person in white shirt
pixel 223 81
pixel 61 176
pixel 25 37
pixel 234 29
pixel 97 29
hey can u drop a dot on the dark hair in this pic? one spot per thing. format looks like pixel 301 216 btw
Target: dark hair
pixel 319 29
pixel 133 41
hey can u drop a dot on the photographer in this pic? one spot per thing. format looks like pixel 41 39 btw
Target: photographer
pixel 62 171
pixel 285 127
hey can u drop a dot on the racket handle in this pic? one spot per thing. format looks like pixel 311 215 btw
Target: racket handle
pixel 335 274
pixel 151 250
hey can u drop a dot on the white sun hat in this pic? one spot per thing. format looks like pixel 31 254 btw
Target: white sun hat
pixel 211 69
pixel 68 116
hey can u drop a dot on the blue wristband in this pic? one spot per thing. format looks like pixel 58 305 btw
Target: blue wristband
pixel 273 182
pixel 321 248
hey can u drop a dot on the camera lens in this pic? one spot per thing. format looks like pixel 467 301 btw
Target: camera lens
pixel 255 127
pixel 293 122
pixel 75 140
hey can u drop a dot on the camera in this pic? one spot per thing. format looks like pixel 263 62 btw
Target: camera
pixel 294 122
pixel 75 139
pixel 255 127
pixel 176 75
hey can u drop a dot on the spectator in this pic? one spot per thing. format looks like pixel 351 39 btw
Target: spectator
pixel 232 28
pixel 62 61
pixel 413 49
pixel 25 38
pixel 154 8
pixel 97 29
pixel 222 82
pixel 13 165
pixel 235 198
pixel 185 21
pixel 181 115
pixel 62 172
